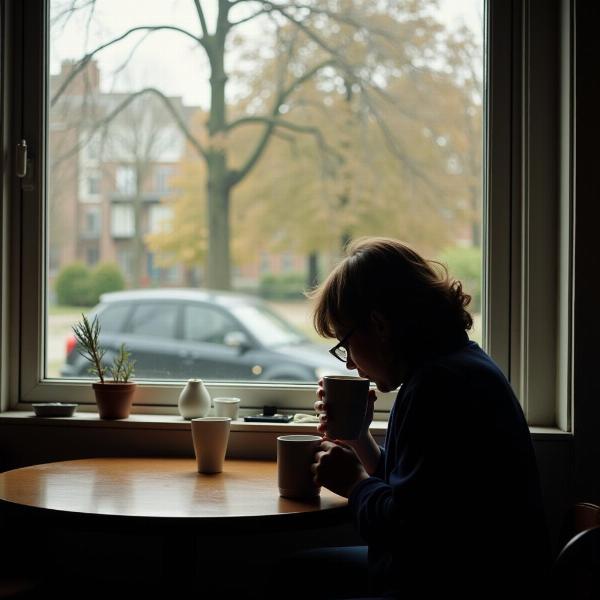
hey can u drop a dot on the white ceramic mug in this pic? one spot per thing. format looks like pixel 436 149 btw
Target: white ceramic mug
pixel 210 436
pixel 227 407
pixel 346 400
pixel 295 455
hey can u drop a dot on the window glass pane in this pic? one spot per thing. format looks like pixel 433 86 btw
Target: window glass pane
pixel 154 320
pixel 125 180
pixel 326 123
pixel 122 220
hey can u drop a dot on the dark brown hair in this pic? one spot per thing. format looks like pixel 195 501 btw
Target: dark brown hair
pixel 420 299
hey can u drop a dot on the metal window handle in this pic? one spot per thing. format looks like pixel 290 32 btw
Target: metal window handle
pixel 22 159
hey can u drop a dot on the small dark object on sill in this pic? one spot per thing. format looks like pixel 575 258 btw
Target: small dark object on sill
pixel 266 418
pixel 54 409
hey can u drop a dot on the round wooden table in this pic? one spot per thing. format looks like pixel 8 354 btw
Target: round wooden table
pixel 164 491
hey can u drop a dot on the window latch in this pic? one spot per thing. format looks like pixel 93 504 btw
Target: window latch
pixel 25 167
pixel 22 159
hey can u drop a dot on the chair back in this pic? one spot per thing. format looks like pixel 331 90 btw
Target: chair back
pixel 581 516
pixel 577 568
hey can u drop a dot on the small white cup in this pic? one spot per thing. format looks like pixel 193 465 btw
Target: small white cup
pixel 345 400
pixel 227 407
pixel 295 455
pixel 210 436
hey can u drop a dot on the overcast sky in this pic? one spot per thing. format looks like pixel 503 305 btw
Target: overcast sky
pixel 167 59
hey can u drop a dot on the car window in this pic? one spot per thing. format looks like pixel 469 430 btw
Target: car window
pixel 112 317
pixel 205 324
pixel 156 320
pixel 266 326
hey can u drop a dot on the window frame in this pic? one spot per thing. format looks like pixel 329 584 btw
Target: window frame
pixel 519 293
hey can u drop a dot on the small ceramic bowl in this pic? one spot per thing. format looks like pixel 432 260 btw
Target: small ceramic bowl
pixel 54 409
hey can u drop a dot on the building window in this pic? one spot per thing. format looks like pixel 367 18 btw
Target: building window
pixel 163 178
pixel 92 222
pixel 93 185
pixel 125 181
pixel 122 220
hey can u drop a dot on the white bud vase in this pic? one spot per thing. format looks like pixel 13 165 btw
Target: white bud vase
pixel 194 400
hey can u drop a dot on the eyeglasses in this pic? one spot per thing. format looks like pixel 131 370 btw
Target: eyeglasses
pixel 339 350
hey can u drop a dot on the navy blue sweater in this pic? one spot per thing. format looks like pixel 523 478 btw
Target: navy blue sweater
pixel 455 505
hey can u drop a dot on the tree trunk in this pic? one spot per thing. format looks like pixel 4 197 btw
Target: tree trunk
pixel 218 268
pixel 218 271
pixel 313 270
pixel 138 236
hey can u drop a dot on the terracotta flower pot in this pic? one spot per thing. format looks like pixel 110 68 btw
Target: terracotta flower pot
pixel 114 399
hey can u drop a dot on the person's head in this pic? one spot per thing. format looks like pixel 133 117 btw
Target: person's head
pixel 397 307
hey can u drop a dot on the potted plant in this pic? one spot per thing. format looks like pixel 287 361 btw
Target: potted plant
pixel 113 397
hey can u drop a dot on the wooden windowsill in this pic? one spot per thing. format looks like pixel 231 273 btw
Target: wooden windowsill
pixel 176 422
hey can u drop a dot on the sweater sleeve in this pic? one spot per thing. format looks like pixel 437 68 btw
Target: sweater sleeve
pixel 379 507
pixel 380 469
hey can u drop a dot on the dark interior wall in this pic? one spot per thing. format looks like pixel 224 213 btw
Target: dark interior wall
pixel 586 381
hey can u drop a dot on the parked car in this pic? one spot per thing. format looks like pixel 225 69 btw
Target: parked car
pixel 185 333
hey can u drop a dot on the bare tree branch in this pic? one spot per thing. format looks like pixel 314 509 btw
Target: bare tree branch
pixel 258 13
pixel 89 22
pixel 202 19
pixel 130 55
pixel 302 79
pixel 79 66
pixel 272 124
pixel 71 10
pixel 283 60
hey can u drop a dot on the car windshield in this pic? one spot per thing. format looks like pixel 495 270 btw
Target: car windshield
pixel 266 326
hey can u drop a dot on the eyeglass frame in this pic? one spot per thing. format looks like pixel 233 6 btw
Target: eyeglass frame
pixel 342 344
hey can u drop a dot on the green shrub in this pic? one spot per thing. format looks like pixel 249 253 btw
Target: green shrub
pixel 107 277
pixel 465 265
pixel 290 286
pixel 77 285
pixel 74 286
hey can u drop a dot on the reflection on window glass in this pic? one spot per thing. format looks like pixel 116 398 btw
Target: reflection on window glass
pixel 331 121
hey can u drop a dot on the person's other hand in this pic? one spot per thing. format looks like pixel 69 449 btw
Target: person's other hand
pixel 338 468
pixel 320 409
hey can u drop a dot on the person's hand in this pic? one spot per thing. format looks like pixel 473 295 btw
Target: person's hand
pixel 338 468
pixel 320 409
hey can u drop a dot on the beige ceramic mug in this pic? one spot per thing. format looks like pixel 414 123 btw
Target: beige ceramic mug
pixel 295 456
